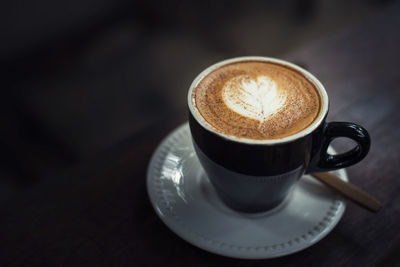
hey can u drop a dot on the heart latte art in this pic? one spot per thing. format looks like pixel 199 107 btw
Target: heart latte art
pixel 256 100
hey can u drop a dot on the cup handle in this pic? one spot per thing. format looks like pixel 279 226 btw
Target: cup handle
pixel 323 161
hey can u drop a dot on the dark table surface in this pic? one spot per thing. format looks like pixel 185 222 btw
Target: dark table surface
pixel 99 214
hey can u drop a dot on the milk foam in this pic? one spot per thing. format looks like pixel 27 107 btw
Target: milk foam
pixel 257 100
pixel 253 98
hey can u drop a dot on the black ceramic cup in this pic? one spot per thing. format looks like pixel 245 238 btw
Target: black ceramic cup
pixel 257 175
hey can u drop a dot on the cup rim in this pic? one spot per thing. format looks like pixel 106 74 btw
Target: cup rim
pixel 314 125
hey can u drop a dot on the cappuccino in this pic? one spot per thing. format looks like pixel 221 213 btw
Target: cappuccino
pixel 257 100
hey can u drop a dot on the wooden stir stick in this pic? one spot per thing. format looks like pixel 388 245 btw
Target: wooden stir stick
pixel 349 191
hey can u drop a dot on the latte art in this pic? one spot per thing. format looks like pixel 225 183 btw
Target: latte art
pixel 257 99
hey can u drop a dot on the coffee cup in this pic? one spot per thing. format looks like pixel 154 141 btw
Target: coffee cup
pixel 258 124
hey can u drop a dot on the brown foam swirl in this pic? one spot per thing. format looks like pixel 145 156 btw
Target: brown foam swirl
pixel 257 100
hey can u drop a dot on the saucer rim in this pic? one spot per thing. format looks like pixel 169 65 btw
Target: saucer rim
pixel 190 236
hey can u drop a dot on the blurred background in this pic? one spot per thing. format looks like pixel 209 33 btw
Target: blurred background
pixel 82 76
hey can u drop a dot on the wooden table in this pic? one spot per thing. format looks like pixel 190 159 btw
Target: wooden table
pixel 98 213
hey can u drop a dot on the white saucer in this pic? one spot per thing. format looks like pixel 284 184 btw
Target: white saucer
pixel 186 202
